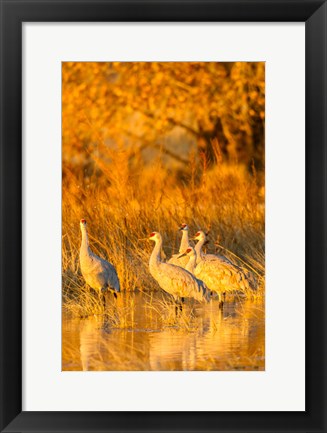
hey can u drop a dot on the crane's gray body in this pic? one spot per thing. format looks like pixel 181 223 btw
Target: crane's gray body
pixel 219 275
pixel 174 280
pixel 97 272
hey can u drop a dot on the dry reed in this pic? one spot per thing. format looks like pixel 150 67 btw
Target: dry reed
pixel 124 199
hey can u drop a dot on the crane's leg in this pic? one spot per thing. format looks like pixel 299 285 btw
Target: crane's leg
pixel 178 305
pixel 181 304
pixel 221 302
pixel 104 297
pixel 104 301
pixel 115 300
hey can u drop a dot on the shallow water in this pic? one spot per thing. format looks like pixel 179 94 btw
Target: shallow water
pixel 143 332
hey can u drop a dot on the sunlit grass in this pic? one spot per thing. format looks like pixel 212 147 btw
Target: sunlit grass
pixel 126 202
pixel 141 154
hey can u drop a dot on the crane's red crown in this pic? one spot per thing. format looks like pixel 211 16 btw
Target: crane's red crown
pixel 189 250
pixel 83 221
pixel 197 234
pixel 151 234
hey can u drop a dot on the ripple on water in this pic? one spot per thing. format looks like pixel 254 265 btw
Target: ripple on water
pixel 147 335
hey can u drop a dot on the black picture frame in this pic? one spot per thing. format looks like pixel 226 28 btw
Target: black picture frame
pixel 13 14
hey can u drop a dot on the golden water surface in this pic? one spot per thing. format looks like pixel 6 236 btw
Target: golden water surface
pixel 148 335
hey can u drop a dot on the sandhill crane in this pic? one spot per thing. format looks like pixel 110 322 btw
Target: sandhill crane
pixel 99 274
pixel 202 240
pixel 219 276
pixel 200 236
pixel 174 260
pixel 173 279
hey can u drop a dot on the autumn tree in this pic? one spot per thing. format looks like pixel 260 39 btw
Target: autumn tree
pixel 218 105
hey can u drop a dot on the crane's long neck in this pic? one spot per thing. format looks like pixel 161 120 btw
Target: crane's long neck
pixel 184 242
pixel 85 241
pixel 155 258
pixel 191 264
pixel 198 248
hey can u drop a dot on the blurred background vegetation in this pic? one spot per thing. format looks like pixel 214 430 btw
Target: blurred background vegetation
pixel 147 146
pixel 216 109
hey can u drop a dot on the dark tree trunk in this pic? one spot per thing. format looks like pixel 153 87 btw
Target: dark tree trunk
pixel 209 138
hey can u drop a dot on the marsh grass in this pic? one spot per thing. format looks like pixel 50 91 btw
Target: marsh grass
pixel 123 200
pixel 169 314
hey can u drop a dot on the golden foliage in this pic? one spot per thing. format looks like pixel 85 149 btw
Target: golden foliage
pixel 147 146
pixel 141 104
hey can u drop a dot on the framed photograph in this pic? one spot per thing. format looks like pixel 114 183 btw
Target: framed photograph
pixel 163 216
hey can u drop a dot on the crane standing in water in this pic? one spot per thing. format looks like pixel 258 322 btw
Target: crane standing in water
pixel 99 274
pixel 173 279
pixel 174 260
pixel 218 275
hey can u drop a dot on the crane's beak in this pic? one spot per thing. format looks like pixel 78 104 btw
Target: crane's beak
pixel 182 255
pixel 143 239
